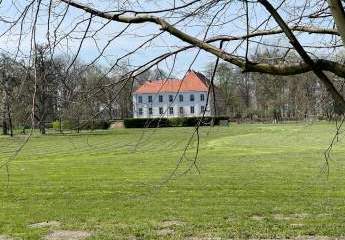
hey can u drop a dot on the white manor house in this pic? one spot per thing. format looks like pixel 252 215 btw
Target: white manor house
pixel 173 97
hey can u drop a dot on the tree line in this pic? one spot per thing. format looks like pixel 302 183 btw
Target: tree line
pixel 50 89
pixel 262 97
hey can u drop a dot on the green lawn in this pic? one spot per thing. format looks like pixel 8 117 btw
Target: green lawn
pixel 255 181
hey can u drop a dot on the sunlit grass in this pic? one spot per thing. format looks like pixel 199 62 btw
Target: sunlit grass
pixel 256 181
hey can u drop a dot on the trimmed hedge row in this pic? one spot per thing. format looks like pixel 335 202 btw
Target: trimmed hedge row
pixel 172 122
pixel 84 125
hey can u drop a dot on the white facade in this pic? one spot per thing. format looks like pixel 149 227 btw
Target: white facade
pixel 183 104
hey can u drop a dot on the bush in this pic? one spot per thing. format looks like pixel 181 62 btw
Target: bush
pixel 177 122
pixel 172 122
pixel 97 124
pixel 146 122
pixel 84 125
pixel 64 125
pixel 56 125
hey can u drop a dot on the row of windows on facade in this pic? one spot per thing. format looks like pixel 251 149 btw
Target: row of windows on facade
pixel 171 98
pixel 171 110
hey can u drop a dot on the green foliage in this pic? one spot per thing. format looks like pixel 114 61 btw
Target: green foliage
pixel 64 125
pixel 146 122
pixel 56 125
pixel 99 124
pixel 177 122
pixel 172 122
pixel 84 125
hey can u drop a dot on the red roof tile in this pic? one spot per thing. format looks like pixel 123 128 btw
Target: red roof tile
pixel 192 82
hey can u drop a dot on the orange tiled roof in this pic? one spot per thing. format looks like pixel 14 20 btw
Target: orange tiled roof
pixel 192 82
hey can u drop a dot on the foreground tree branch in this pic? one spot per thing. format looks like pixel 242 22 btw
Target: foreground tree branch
pixel 339 99
pixel 280 69
pixel 338 13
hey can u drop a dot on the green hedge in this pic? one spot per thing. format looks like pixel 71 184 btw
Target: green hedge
pixel 172 122
pixel 82 125
pixel 146 122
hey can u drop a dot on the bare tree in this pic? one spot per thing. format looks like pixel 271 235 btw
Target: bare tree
pixel 173 20
pixel 10 75
pixel 312 30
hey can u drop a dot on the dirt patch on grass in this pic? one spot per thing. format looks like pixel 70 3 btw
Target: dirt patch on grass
pixel 203 238
pixel 165 232
pixel 290 216
pixel 5 237
pixel 300 215
pixel 171 223
pixel 166 227
pixel 303 238
pixel 297 225
pixel 45 224
pixel 282 217
pixel 318 238
pixel 67 235
pixel 257 217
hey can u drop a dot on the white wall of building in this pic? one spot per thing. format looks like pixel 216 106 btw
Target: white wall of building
pixel 145 106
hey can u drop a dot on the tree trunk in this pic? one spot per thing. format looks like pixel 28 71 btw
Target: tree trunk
pixel 338 14
pixel 60 125
pixel 4 114
pixel 42 127
pixel 9 118
pixel 4 127
pixel 78 125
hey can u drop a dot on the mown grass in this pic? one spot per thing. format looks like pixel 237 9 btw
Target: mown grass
pixel 256 181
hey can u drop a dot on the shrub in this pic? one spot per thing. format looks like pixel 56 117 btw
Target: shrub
pixel 97 124
pixel 177 122
pixel 56 125
pixel 84 125
pixel 172 122
pixel 146 122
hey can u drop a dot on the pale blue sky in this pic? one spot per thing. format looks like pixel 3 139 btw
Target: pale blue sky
pixel 137 34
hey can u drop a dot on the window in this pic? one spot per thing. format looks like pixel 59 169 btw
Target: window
pixel 160 98
pixel 171 110
pixel 180 97
pixel 202 97
pixel 171 98
pixel 140 99
pixel 191 98
pixel 181 110
pixel 192 109
pixel 150 111
pixel 150 99
pixel 202 109
pixel 161 110
pixel 140 111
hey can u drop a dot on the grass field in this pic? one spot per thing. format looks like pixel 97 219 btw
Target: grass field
pixel 256 181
